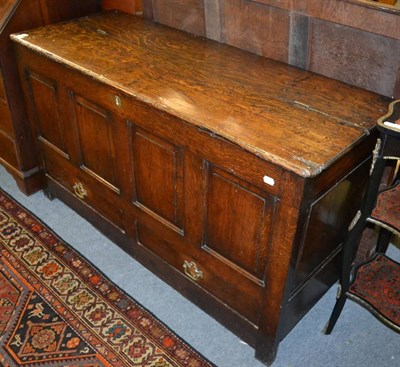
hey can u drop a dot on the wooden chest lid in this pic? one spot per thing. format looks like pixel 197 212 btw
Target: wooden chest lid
pixel 296 119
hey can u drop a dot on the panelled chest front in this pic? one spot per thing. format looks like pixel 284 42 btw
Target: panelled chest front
pixel 231 176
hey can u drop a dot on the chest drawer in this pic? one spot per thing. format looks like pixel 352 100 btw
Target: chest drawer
pixel 226 283
pixel 104 200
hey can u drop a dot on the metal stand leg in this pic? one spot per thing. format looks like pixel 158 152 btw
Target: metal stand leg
pixel 383 240
pixel 354 234
pixel 340 302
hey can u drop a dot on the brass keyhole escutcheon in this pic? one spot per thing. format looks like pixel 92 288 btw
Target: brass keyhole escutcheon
pixel 79 190
pixel 192 271
pixel 117 100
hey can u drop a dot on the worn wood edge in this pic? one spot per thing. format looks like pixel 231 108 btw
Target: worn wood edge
pixel 304 168
pixel 344 151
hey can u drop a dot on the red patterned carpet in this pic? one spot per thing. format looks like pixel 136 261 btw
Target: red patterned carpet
pixel 56 309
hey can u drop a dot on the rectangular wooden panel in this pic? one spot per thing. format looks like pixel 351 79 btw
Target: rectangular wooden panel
pixel 328 215
pixel 255 27
pixel 365 15
pixel 187 15
pixel 53 12
pixel 158 177
pixel 359 58
pixel 44 96
pixel 238 221
pixel 94 127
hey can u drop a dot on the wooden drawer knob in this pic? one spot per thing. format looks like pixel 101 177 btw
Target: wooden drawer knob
pixel 79 190
pixel 192 271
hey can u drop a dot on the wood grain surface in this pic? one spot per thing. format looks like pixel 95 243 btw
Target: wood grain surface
pixel 293 118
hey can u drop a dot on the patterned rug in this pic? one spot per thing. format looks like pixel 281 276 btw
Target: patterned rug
pixel 56 309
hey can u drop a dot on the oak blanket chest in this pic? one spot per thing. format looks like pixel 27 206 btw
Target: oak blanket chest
pixel 231 176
